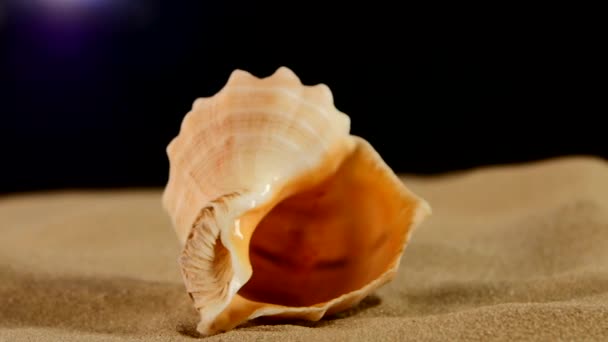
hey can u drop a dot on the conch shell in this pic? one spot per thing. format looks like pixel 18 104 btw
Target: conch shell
pixel 280 211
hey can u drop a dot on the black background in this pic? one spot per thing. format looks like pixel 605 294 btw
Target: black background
pixel 92 95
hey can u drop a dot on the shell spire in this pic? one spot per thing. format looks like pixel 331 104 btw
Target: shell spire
pixel 280 211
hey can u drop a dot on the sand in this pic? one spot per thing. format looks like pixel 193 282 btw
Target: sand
pixel 516 252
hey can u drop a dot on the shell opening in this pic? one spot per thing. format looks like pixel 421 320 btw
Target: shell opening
pixel 330 239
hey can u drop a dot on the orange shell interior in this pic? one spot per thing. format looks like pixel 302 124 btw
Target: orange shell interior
pixel 332 238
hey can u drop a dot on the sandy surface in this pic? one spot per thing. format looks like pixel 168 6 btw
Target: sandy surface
pixel 510 253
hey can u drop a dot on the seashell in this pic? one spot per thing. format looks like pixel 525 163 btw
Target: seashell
pixel 280 211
